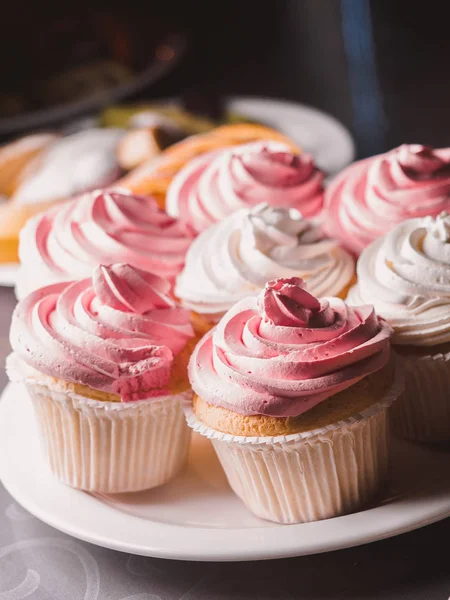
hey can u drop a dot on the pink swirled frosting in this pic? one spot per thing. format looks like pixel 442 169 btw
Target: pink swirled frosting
pixel 221 182
pixel 117 332
pixel 284 351
pixel 68 241
pixel 371 196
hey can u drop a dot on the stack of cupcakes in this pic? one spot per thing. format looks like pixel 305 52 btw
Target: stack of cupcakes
pixel 244 248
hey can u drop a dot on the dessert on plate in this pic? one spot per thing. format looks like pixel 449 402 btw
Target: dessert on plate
pixel 219 183
pixel 406 275
pixel 66 242
pixel 105 363
pixel 65 167
pixel 154 176
pixel 235 257
pixel 293 392
pixel 368 198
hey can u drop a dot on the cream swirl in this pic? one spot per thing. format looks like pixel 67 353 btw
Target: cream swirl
pixel 117 332
pixel 406 275
pixel 68 241
pixel 283 352
pixel 236 257
pixel 370 197
pixel 219 183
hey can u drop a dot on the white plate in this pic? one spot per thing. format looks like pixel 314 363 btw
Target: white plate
pixel 197 517
pixel 316 132
pixel 8 274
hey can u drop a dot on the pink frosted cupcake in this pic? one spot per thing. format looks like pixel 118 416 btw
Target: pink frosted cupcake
pixel 67 242
pixel 105 363
pixel 371 196
pixel 219 183
pixel 293 392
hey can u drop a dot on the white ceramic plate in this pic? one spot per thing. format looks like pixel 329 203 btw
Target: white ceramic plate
pixel 197 517
pixel 316 132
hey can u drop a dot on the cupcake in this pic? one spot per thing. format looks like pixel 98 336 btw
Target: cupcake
pixel 406 275
pixel 219 183
pixel 68 241
pixel 104 361
pixel 60 169
pixel 293 392
pixel 371 196
pixel 234 259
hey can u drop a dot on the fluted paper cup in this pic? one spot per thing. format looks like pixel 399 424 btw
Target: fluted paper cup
pixel 422 412
pixel 312 475
pixel 110 447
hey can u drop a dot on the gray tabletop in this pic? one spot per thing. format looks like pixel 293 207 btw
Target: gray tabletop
pixel 39 563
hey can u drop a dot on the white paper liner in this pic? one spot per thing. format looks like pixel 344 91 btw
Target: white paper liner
pixel 109 447
pixel 422 412
pixel 308 476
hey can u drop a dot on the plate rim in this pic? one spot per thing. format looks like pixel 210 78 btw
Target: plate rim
pixel 257 543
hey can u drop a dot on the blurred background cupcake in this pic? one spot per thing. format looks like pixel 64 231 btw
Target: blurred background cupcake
pixel 69 241
pixel 235 258
pixel 105 363
pixel 406 275
pixel 293 393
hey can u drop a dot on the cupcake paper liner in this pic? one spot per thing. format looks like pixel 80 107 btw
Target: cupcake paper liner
pixel 422 412
pixel 107 447
pixel 308 476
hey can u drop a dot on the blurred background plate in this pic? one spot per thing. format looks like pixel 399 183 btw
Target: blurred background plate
pixel 318 133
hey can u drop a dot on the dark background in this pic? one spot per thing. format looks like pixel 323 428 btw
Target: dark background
pixel 380 66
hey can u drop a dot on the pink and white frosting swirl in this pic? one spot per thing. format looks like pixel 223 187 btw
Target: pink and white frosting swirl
pixel 68 241
pixel 219 183
pixel 284 351
pixel 117 332
pixel 237 256
pixel 371 196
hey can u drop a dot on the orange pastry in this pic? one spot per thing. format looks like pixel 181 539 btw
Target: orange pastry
pixel 154 175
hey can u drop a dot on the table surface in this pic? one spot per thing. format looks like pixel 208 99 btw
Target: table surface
pixel 39 563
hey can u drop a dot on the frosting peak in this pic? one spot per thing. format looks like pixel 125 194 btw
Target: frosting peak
pixel 236 257
pixel 285 351
pixel 219 183
pixel 371 196
pixel 285 302
pixel 117 332
pixel 128 289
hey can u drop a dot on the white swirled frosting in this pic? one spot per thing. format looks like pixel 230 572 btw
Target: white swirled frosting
pixel 406 276
pixel 237 256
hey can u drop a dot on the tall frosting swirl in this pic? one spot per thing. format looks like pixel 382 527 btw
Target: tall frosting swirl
pixel 235 257
pixel 371 196
pixel 406 275
pixel 283 352
pixel 219 183
pixel 117 332
pixel 68 241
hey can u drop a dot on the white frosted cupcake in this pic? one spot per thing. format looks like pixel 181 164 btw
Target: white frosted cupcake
pixel 406 275
pixel 100 227
pixel 105 363
pixel 293 392
pixel 235 258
